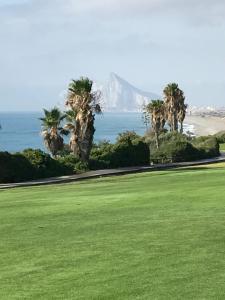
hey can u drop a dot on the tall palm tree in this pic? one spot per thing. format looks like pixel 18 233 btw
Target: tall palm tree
pixel 52 131
pixel 156 110
pixel 181 114
pixel 85 104
pixel 173 96
pixel 71 127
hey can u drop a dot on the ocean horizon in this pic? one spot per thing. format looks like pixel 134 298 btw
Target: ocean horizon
pixel 22 130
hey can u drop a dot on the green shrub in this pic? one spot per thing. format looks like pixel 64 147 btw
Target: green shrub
pixel 102 151
pixel 207 145
pixel 220 136
pixel 69 161
pixel 97 164
pixel 129 150
pixel 15 167
pixel 174 151
pixel 28 165
pixel 176 147
pixel 81 166
pixel 45 165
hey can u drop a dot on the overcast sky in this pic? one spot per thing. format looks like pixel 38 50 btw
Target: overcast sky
pixel 45 43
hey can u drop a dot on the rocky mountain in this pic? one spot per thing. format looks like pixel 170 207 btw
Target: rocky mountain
pixel 120 96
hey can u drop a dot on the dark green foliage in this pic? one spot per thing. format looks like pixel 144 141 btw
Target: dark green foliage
pixel 80 86
pixel 37 158
pixel 129 150
pixel 28 165
pixel 73 163
pixel 174 151
pixel 15 167
pixel 69 161
pixel 102 150
pixel 208 146
pixel 81 166
pixel 220 136
pixel 176 147
pixel 44 165
pixel 98 164
pixel 101 155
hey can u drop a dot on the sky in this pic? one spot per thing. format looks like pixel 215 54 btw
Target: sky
pixel 46 43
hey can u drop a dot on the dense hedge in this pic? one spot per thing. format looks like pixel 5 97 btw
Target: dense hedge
pixel 208 146
pixel 129 150
pixel 30 164
pixel 15 167
pixel 220 136
pixel 176 147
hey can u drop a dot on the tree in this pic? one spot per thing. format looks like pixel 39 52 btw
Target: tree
pixel 85 104
pixel 155 111
pixel 71 127
pixel 51 130
pixel 174 98
pixel 181 113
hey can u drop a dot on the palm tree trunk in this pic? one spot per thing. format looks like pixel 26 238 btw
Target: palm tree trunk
pixel 85 133
pixel 157 139
pixel 181 127
pixel 175 127
pixel 73 143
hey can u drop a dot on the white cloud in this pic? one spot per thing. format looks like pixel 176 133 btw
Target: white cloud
pixel 44 43
pixel 197 10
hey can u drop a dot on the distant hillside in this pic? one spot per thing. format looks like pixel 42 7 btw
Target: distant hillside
pixel 119 95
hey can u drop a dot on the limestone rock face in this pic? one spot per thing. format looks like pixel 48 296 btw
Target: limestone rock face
pixel 120 96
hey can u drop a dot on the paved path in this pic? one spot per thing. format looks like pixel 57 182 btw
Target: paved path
pixel 111 172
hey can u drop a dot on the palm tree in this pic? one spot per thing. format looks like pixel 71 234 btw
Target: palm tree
pixel 71 127
pixel 173 96
pixel 51 130
pixel 156 110
pixel 181 114
pixel 84 103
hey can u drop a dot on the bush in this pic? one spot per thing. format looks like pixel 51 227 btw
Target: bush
pixel 81 166
pixel 220 136
pixel 175 151
pixel 28 165
pixel 98 164
pixel 69 161
pixel 176 147
pixel 45 165
pixel 129 150
pixel 15 167
pixel 208 146
pixel 102 151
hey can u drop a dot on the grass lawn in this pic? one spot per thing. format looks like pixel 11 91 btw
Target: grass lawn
pixel 158 235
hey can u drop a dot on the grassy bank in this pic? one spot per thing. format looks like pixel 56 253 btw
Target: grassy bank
pixel 148 236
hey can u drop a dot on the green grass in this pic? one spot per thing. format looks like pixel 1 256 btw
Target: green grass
pixel 157 235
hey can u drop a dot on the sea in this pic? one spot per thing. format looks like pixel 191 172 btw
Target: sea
pixel 22 130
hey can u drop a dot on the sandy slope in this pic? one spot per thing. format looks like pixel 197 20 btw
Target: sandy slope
pixel 206 125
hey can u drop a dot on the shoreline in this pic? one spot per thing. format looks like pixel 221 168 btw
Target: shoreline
pixel 205 125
